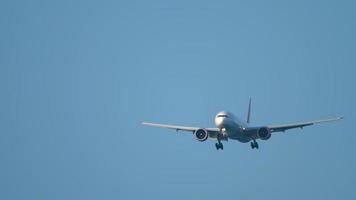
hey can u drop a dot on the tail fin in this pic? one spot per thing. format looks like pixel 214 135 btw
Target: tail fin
pixel 249 112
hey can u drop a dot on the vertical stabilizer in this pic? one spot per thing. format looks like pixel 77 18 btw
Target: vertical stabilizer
pixel 249 112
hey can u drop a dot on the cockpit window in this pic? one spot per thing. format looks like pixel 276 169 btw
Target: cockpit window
pixel 222 116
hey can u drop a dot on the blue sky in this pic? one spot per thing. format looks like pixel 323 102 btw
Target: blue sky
pixel 78 77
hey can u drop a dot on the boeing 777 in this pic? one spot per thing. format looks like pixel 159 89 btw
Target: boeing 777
pixel 230 127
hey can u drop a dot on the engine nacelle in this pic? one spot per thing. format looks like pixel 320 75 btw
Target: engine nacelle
pixel 264 133
pixel 201 135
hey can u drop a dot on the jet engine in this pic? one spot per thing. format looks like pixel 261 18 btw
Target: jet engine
pixel 264 133
pixel 201 135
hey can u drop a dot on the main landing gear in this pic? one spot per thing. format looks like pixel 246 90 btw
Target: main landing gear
pixel 254 144
pixel 219 146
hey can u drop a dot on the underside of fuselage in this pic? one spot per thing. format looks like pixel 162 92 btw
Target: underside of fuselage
pixel 231 127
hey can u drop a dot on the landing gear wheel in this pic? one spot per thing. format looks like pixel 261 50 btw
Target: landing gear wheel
pixel 219 146
pixel 254 144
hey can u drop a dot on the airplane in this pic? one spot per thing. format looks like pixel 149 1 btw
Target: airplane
pixel 230 127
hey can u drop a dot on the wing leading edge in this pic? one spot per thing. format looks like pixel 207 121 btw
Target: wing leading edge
pixel 179 128
pixel 282 128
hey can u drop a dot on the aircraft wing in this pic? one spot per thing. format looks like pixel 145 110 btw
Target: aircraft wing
pixel 211 131
pixel 282 128
pixel 179 128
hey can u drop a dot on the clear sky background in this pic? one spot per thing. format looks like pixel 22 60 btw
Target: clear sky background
pixel 78 77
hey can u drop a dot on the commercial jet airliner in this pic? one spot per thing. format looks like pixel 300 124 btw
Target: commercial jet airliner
pixel 230 127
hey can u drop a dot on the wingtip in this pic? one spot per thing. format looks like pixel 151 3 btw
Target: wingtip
pixel 147 123
pixel 338 118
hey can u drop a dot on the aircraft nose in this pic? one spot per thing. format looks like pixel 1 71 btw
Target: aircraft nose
pixel 219 122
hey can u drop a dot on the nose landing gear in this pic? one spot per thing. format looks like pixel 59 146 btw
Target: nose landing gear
pixel 254 144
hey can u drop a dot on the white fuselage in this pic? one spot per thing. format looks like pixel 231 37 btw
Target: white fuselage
pixel 231 127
